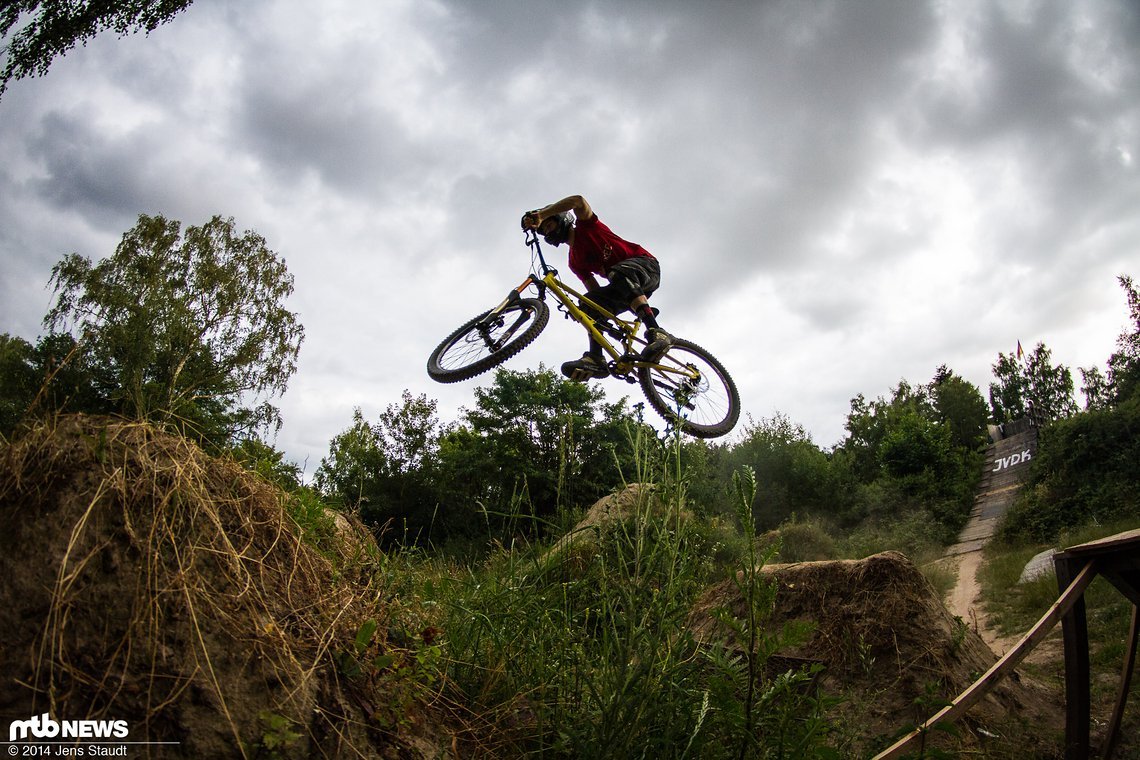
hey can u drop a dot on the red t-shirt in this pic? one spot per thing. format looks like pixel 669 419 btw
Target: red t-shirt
pixel 596 248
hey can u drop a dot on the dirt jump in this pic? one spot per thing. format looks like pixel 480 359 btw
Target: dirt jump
pixel 148 583
pixel 893 653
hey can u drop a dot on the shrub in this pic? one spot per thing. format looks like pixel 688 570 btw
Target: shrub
pixel 1085 470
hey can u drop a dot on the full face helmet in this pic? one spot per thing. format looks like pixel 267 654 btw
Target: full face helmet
pixel 555 229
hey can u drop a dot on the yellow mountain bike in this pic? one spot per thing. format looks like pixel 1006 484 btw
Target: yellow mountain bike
pixel 686 385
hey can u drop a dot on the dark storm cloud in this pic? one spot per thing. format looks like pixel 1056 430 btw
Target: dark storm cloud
pixel 353 147
pixel 87 173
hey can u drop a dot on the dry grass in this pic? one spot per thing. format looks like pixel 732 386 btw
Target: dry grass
pixel 181 598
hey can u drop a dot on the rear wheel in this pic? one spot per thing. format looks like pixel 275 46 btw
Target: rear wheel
pixel 487 341
pixel 691 389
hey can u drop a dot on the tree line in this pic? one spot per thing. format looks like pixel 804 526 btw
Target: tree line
pixel 189 329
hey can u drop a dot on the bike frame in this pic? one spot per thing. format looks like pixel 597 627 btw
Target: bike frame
pixel 624 360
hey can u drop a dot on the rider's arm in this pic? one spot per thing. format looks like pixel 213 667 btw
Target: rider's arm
pixel 575 203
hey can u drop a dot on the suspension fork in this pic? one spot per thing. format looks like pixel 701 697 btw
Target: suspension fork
pixel 516 293
pixel 514 296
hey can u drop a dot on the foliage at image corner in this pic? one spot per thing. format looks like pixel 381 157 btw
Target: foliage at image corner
pixel 37 32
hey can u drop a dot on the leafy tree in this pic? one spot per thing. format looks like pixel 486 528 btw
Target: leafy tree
pixel 913 445
pixel 49 377
pixel 869 424
pixel 1102 390
pixel 19 380
pixel 916 451
pixel 536 442
pixel 793 475
pixel 410 433
pixel 53 27
pixel 187 328
pixel 257 456
pixel 1008 393
pixel 706 468
pixel 1085 467
pixel 960 406
pixel 387 471
pixel 1034 388
pixel 1096 388
pixel 1084 470
pixel 532 442
pixel 1124 365
pixel 348 475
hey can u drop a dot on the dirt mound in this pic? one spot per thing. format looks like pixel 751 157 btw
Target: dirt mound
pixel 149 583
pixel 633 501
pixel 894 654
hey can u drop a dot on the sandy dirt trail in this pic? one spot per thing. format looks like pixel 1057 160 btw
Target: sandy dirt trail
pixel 964 601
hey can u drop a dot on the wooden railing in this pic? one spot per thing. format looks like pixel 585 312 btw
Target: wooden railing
pixel 1117 559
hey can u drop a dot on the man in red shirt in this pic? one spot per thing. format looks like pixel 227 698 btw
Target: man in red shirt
pixel 633 274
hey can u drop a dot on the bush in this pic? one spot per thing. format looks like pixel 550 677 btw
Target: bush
pixel 1085 470
pixel 913 533
pixel 802 541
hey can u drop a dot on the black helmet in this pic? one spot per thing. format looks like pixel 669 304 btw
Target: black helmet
pixel 560 232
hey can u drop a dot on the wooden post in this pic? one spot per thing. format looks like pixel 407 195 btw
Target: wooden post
pixel 1074 627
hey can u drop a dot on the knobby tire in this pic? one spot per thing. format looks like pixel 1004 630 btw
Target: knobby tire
pixel 707 409
pixel 466 352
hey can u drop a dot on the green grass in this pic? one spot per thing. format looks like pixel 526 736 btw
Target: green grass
pixel 586 650
pixel 1014 607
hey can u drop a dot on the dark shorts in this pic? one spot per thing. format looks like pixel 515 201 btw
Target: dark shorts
pixel 628 279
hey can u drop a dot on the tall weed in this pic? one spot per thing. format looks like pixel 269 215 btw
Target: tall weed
pixel 584 649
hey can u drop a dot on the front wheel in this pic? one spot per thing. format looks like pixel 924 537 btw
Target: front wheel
pixel 690 388
pixel 488 340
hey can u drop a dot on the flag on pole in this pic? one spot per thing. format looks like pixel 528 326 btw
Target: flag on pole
pixel 1020 353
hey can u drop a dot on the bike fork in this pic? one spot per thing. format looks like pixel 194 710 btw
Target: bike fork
pixel 495 314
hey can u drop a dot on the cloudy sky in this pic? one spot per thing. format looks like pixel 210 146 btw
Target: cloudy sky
pixel 842 194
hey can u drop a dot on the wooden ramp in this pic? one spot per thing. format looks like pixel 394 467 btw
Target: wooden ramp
pixel 1005 468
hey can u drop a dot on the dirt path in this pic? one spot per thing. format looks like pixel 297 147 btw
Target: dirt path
pixel 1006 462
pixel 965 602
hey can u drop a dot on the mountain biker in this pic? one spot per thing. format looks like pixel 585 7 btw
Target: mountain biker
pixel 633 274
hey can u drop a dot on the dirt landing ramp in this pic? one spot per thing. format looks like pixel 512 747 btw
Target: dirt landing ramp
pixel 892 651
